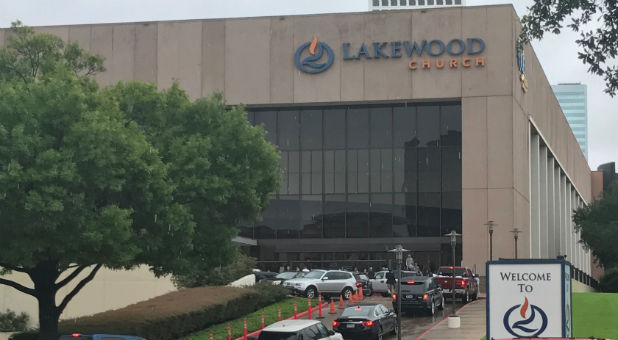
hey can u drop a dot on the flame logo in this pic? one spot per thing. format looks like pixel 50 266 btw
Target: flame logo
pixel 311 64
pixel 313 45
pixel 523 309
pixel 532 326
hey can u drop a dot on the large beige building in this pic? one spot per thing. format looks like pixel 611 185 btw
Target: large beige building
pixel 395 127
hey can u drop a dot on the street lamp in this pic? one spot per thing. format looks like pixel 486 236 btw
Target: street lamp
pixel 490 227
pixel 399 256
pixel 516 232
pixel 453 235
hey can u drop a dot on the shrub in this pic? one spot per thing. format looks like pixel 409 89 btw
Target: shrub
pixel 11 322
pixel 609 281
pixel 222 275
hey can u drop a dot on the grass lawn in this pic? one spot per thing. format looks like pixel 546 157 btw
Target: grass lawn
pixel 595 315
pixel 253 320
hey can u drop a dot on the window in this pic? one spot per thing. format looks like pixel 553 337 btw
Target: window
pixel 323 330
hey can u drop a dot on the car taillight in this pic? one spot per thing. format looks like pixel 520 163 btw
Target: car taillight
pixel 410 282
pixel 358 284
pixel 367 323
pixel 394 296
pixel 463 283
pixel 336 323
pixel 76 335
pixel 425 297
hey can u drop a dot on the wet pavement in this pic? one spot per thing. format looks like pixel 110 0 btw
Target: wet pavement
pixel 411 324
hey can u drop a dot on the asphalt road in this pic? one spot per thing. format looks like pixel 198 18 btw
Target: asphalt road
pixel 411 324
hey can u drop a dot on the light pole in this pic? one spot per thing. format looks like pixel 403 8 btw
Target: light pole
pixel 453 235
pixel 490 227
pixel 516 232
pixel 399 256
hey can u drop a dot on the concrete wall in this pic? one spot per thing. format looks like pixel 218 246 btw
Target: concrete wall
pixel 110 289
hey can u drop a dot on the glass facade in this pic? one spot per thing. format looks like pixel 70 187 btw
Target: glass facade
pixel 365 171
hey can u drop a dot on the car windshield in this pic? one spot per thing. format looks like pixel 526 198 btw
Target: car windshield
pixel 286 275
pixel 357 311
pixel 269 335
pixel 316 274
pixel 446 271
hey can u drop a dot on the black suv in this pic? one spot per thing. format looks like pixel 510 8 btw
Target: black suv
pixel 419 293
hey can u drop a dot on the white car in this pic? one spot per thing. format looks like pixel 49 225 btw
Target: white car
pixel 298 330
pixel 326 282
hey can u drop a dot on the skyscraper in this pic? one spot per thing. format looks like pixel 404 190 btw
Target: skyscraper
pixel 572 98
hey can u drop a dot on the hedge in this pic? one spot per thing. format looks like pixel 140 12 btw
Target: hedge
pixel 175 324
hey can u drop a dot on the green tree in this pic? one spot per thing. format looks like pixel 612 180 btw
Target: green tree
pixel 598 225
pixel 92 178
pixel 599 46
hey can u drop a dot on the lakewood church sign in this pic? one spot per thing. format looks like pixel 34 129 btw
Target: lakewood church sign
pixel 317 56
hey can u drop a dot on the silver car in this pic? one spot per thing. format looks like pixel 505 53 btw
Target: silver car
pixel 378 283
pixel 325 282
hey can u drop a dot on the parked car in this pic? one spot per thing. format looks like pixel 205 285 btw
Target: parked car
pixel 420 293
pixel 326 282
pixel 378 283
pixel 79 336
pixel 260 275
pixel 366 321
pixel 298 330
pixel 363 281
pixel 466 285
pixel 282 277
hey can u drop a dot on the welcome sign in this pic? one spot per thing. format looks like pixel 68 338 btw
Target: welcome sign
pixel 528 298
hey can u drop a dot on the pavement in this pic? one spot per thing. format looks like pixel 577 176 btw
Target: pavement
pixel 472 320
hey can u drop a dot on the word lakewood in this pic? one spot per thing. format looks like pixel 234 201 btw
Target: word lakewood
pixel 437 49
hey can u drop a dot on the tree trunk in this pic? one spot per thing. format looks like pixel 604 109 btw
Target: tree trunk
pixel 44 278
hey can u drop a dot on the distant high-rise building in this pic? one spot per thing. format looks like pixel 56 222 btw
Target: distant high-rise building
pixel 377 5
pixel 572 98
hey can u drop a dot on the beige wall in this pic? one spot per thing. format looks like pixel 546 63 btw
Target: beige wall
pixel 110 289
pixel 251 60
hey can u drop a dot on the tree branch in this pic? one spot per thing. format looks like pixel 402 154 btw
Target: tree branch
pixel 13 268
pixel 17 286
pixel 79 287
pixel 70 277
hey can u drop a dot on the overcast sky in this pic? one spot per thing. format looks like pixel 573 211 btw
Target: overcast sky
pixel 558 54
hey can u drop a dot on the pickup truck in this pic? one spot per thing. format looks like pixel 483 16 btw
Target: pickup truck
pixel 466 287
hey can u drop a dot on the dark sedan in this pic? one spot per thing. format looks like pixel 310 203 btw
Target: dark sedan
pixel 366 321
pixel 420 293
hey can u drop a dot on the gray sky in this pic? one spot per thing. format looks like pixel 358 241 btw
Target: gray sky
pixel 558 54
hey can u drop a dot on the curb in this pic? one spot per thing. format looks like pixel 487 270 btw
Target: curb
pixel 299 315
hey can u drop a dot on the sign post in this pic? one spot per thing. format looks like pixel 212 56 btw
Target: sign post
pixel 529 298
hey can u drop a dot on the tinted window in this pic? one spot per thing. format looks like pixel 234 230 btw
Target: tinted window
pixel 316 274
pixel 358 311
pixel 268 335
pixel 323 330
pixel 445 271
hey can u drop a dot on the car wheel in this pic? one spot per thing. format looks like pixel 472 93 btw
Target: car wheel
pixel 386 294
pixel 346 292
pixel 379 335
pixel 368 292
pixel 442 303
pixel 476 295
pixel 467 296
pixel 432 309
pixel 311 292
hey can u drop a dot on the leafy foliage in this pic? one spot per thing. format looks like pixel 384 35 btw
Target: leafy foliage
pixel 599 47
pixel 609 281
pixel 222 275
pixel 598 225
pixel 115 178
pixel 12 322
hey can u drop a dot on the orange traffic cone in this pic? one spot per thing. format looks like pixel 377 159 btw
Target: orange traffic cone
pixel 332 307
pixel 229 332
pixel 262 321
pixel 279 314
pixel 309 310
pixel 244 328
pixel 320 306
pixel 361 294
pixel 295 311
pixel 210 336
pixel 341 305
